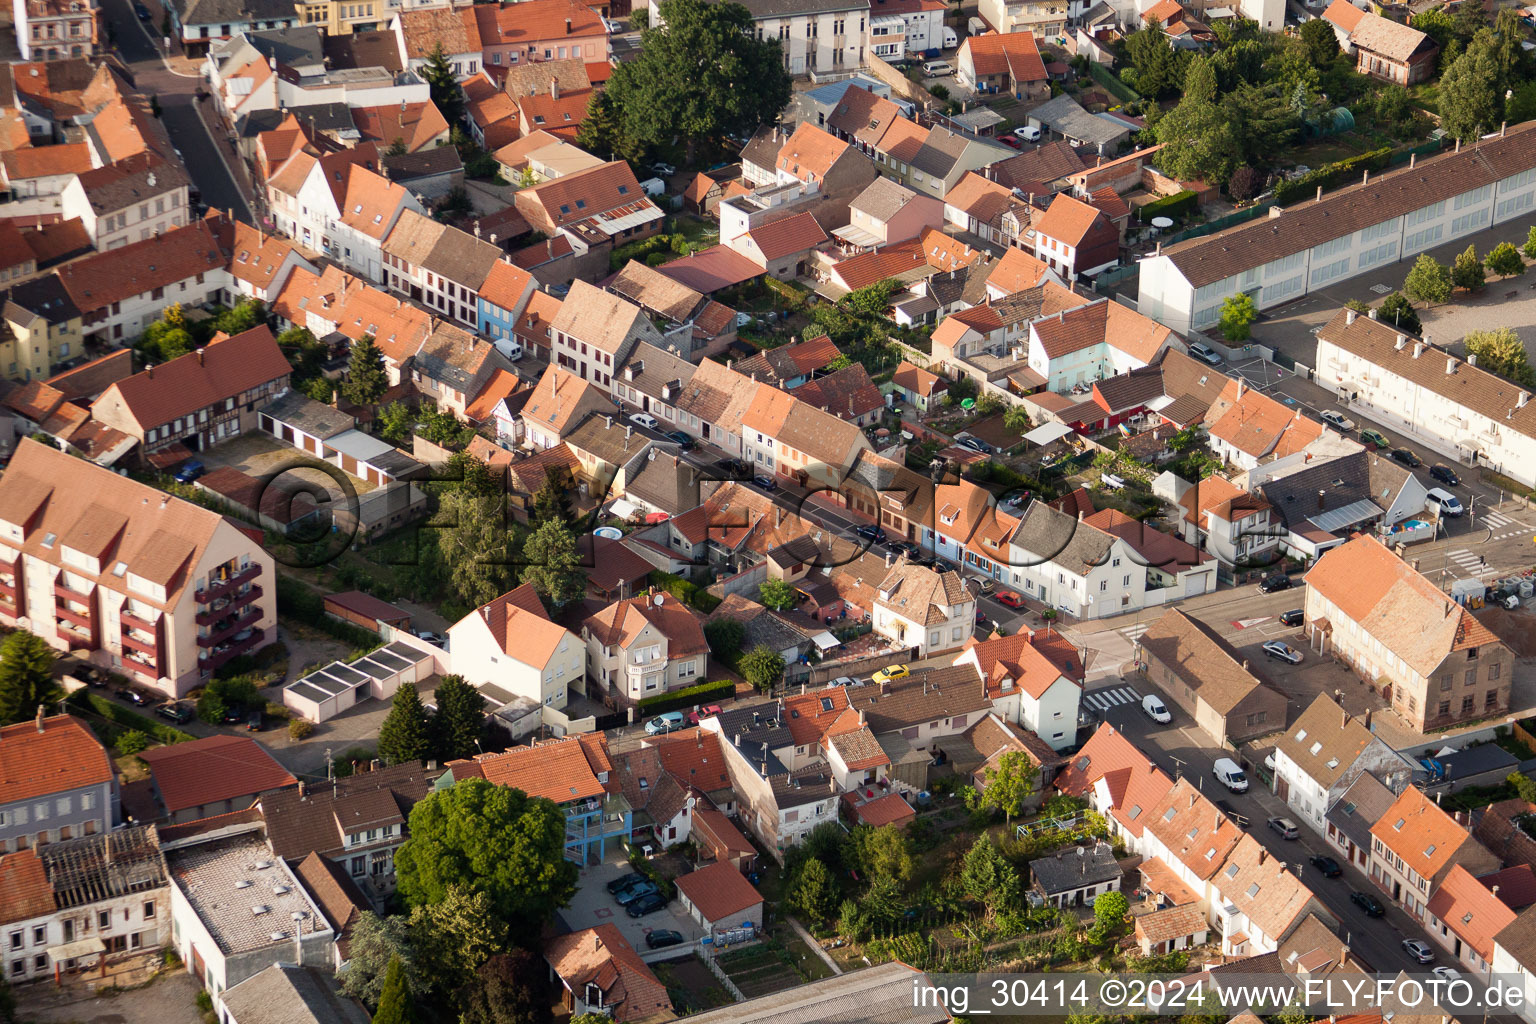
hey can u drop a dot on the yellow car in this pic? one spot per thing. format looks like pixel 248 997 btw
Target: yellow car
pixel 890 672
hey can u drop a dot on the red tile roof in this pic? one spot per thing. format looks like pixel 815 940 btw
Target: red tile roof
pixel 718 891
pixel 1067 220
pixel 558 771
pixel 103 278
pixel 1471 911
pixel 25 891
pixel 601 956
pixel 213 769
pixel 199 379
pixel 64 755
pixel 787 235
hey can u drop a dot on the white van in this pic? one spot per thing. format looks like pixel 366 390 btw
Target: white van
pixel 951 38
pixel 1230 775
pixel 1156 709
pixel 1444 502
pixel 937 68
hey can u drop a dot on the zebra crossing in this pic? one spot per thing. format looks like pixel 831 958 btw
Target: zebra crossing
pixel 1502 525
pixel 1133 632
pixel 1468 562
pixel 1103 700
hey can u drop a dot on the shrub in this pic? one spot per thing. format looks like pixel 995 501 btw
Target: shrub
pixel 1175 206
pixel 689 593
pixel 699 693
pixel 132 742
pixel 300 728
pixel 1331 176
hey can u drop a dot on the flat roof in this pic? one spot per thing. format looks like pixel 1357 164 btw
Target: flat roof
pixel 244 894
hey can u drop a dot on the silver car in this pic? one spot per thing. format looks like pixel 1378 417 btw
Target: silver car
pixel 1283 651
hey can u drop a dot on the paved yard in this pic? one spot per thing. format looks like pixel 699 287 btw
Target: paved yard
pixel 259 454
pixel 592 906
pixel 169 1000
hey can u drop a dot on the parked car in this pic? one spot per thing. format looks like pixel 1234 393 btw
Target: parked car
pixel 643 419
pixel 132 696
pixel 1368 903
pixel 435 639
pixel 938 69
pixel 976 444
pixel 889 673
pixel 1444 502
pixel 1447 476
pixel 873 534
pixel 765 482
pixel 1155 708
pixel 141 12
pixel 1282 651
pixel 707 711
pixel 1294 617
pixel 1337 420
pixel 175 711
pixel 647 905
pixel 1204 353
pixel 1009 599
pixel 1277 582
pixel 1285 826
pixel 1027 134
pixel 1230 775
pixel 681 439
pixel 733 469
pixel 1448 973
pixel 1375 437
pixel 1010 141
pixel 845 681
pixel 902 547
pixel 637 891
pixel 1327 865
pixel 624 882
pixel 665 723
pixel 1406 457
pixel 189 471
pixel 253 720
pixel 1419 950
pixel 663 937
pixel 234 714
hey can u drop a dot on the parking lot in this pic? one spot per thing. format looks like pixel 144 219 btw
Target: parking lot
pixel 592 906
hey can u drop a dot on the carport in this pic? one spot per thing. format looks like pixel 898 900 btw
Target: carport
pixel 1045 433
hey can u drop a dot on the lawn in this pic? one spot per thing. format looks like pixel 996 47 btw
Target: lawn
pixel 760 969
pixel 1426 95
pixel 1329 150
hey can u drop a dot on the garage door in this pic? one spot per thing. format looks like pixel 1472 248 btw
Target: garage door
pixel 1195 584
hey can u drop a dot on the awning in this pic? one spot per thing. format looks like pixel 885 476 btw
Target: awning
pixel 855 235
pixel 1346 515
pixel 75 950
pixel 623 508
pixel 1045 433
pixel 825 641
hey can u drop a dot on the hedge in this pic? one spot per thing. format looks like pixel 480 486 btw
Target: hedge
pixel 688 696
pixel 121 720
pixel 1331 175
pixel 302 604
pixel 1169 206
pixel 690 594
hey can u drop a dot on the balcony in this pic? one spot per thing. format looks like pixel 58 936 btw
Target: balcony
pixel 82 619
pixel 232 604
pixel 147 671
pixel 131 642
pixel 217 637
pixel 76 640
pixel 131 621
pixel 217 658
pixel 8 591
pixel 60 590
pixel 219 588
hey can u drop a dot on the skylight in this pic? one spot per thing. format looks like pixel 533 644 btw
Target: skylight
pixel 1316 747
pixel 1301 735
pixel 1430 850
pixel 1399 826
pixel 1231 870
pixel 1253 890
pixel 1169 814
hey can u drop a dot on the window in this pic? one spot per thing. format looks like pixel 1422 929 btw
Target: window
pixel 16 939
pixel 1445 708
pixel 1493 671
pixel 1467 704
pixel 149 910
pixel 1471 677
pixel 39 934
pixel 1490 700
pixel 104 919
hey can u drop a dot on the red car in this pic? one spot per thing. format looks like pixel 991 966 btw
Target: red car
pixel 707 711
pixel 1009 140
pixel 1009 598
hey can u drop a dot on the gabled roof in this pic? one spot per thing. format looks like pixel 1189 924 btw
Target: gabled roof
pixel 521 627
pixel 622 622
pixel 59 755
pixel 846 393
pixel 1325 741
pixel 810 153
pixel 1470 910
pixel 213 769
pixel 102 278
pixel 575 197
pixel 557 770
pixel 1258 425
pixel 455 29
pixel 1272 898
pixel 787 235
pixel 221 370
pixel 1202 660
pixel 1427 838
pixel 561 399
pixel 918 380
pixel 1015 54
pixel 719 890
pixel 25 891
pixel 1017 660
pixel 602 957
pixel 1193 829
pixel 1070 220
pixel 924 696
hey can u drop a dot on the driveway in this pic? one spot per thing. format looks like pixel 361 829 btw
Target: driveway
pixel 592 906
pixel 171 999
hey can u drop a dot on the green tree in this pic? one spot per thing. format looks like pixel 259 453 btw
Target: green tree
pixel 1505 261
pixel 1016 419
pixel 883 852
pixel 553 565
pixel 601 133
pixel 1293 1013
pixel 475 544
pixel 377 943
pixel 1237 316
pixel 454 937
pixel 26 676
pixel 725 637
pixel 1501 351
pixel 1321 44
pixel 815 894
pixel 404 735
pixel 1467 270
pixel 512 988
pixel 1529 248
pixel 1110 910
pixel 1157 65
pixel 1396 310
pixel 366 378
pixel 776 594
pixel 761 667
pixel 700 74
pixel 132 742
pixel 1525 786
pixel 444 86
pixel 459 720
pixel 1200 142
pixel 1010 784
pixel 474 477
pixel 1428 282
pixel 319 389
pixel 397 147
pixel 396 421
pixel 553 498
pixel 489 839
pixel 987 877
pixel 242 316
pixel 395 1005
pixel 1470 98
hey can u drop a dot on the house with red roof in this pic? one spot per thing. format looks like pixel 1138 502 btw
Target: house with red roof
pixel 1100 338
pixel 512 643
pixel 58 763
pixel 600 973
pixel 212 775
pixel 642 647
pixel 721 899
pixel 1074 238
pixel 1415 849
pixel 1005 62
pixel 1033 680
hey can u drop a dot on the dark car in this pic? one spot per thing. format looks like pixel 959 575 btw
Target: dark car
pixel 233 714
pixel 625 881
pixel 177 713
pixel 189 471
pixel 133 696
pixel 870 533
pixel 902 547
pixel 142 12
pixel 647 904
pixel 253 720
pixel 1406 457
pixel 767 483
pixel 976 444
pixel 734 469
pixel 683 440
pixel 1327 865
pixel 1368 903
pixel 1446 475
pixel 1293 617
pixel 1275 583
pixel 639 890
pixel 663 937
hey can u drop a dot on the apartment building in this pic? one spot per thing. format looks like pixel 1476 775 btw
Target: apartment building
pixel 129 200
pixel 541 30
pixel 1414 847
pixel 1425 391
pixel 1387 217
pixel 52 29
pixel 1402 635
pixel 56 783
pixel 338 205
pixel 198 24
pixel 815 35
pixel 1074 238
pixel 779 804
pixel 199 399
pixel 1464 915
pixel 422 31
pixel 125 575
pixel 595 331
pixel 1043 19
pixel 901 28
pixel 504 294
pixel 643 646
pixel 511 643
pixel 1033 680
pixel 44 328
pixel 438 265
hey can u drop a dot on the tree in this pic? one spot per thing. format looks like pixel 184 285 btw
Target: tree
pixel 1199 141
pixel 1322 46
pixel 459 720
pixel 987 877
pixel 1246 182
pixel 454 937
pixel 397 148
pixel 601 133
pixel 1016 419
pixel 1501 351
pixel 1294 1013
pixel 404 735
pixel 1428 282
pixel 1237 316
pixel 1109 913
pixel 378 943
pixel 1529 248
pixel 883 852
pixel 725 637
pixel 1525 786
pixel 395 1006
pixel 1396 310
pixel 396 421
pixel 776 594
pixel 815 894
pixel 475 544
pixel 553 498
pixel 552 564
pixel 699 75
pixel 511 988
pixel 489 839
pixel 1467 270
pixel 242 316
pixel 761 667
pixel 1469 95
pixel 1010 784
pixel 26 676
pixel 366 378
pixel 474 477
pixel 1505 260
pixel 444 85
pixel 1157 64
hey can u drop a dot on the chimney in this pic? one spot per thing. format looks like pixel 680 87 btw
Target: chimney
pixel 1274 213
pixel 1412 159
pixel 1525 396
pixel 885 687
pixel 1319 193
pixel 567 26
pixel 554 88
pixel 1345 720
pixel 1263 855
pixel 763 768
pixel 1450 365
pixel 1402 342
pixel 39 718
pixel 738 739
pixel 1371 313
pixel 1242 386
pixel 303 789
pixel 1418 347
pixel 1495 892
pixel 1366 179
pixel 149 371
pixel 862 720
pixel 1245 664
pixel 1367 719
pixel 1349 317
